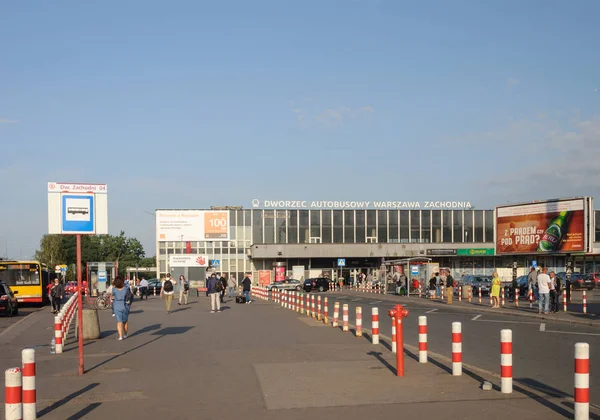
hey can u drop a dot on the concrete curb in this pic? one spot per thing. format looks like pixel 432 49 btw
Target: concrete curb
pixel 504 311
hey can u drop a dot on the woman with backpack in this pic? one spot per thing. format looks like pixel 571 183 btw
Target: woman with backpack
pixel 184 287
pixel 167 291
pixel 122 298
pixel 57 292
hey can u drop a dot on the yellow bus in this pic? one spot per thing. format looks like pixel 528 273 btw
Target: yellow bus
pixel 29 278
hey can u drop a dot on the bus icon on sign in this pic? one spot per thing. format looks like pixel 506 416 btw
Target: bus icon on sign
pixel 78 210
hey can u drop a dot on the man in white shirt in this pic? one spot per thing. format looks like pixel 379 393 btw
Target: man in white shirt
pixel 543 281
pixel 144 288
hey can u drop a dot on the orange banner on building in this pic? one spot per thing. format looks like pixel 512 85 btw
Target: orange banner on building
pixel 264 277
pixel 555 226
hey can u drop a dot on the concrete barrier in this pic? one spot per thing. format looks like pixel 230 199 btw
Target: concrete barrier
pixel 91 324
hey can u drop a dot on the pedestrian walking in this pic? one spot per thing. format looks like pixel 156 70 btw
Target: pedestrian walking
pixel 432 286
pixel 223 281
pixel 532 282
pixel 167 291
pixel 496 282
pixel 57 293
pixel 214 289
pixel 553 294
pixel 557 291
pixel 184 286
pixel 122 298
pixel 449 286
pixel 543 281
pixel 246 286
pixel 231 286
pixel 143 288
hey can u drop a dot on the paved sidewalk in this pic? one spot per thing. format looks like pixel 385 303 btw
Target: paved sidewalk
pixel 256 361
pixel 571 316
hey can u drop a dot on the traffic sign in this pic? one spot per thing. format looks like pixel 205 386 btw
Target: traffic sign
pixel 414 270
pixel 341 262
pixel 77 209
pixel 534 263
pixel 102 275
pixel 215 263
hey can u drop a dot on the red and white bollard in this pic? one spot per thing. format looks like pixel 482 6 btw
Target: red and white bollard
pixel 502 303
pixel 491 299
pixel 375 326
pixel 442 295
pixel 582 381
pixel 312 306
pixel 58 334
pixel 584 302
pixel 393 335
pixel 308 297
pixel 460 293
pixel 13 404
pixel 319 309
pixel 506 363
pixel 326 311
pixel 456 349
pixel 336 315
pixel 422 339
pixel 530 295
pixel 565 300
pixel 29 392
pixel 480 294
pixel 345 318
pixel 358 321
pixel 282 300
pixel 470 294
pixel 420 290
pixel 154 290
pixel 517 297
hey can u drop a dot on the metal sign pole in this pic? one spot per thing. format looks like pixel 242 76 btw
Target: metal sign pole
pixel 80 305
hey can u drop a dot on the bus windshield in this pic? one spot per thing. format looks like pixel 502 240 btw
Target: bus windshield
pixel 20 274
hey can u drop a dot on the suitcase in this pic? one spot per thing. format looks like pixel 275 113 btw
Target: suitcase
pixel 240 299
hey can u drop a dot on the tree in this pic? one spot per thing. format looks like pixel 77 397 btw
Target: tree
pixel 51 250
pixel 62 249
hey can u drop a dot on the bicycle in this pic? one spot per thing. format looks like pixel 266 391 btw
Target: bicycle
pixel 103 302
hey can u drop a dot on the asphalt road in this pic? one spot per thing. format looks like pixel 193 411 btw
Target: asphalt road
pixel 24 311
pixel 542 354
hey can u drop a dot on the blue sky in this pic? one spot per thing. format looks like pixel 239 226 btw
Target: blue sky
pixel 193 103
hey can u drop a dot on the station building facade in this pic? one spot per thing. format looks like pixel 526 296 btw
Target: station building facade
pixel 283 240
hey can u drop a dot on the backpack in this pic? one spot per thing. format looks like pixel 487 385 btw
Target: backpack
pixel 168 287
pixel 54 292
pixel 218 286
pixel 186 286
pixel 128 297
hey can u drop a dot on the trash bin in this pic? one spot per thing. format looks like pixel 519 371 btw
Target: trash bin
pixel 91 324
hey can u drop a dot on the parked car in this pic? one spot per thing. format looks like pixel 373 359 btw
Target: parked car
pixel 596 277
pixel 578 281
pixel 287 284
pixel 475 282
pixel 8 300
pixel 321 284
pixel 154 283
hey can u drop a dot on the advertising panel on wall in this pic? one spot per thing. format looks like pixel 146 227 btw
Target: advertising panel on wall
pixel 264 277
pixel 557 226
pixel 192 225
pixel 188 260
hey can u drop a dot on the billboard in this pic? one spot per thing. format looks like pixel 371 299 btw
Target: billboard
pixel 558 226
pixel 192 225
pixel 188 260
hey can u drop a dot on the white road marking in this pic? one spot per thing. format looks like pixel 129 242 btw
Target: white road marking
pixel 571 332
pixel 476 317
pixel 506 322
pixel 542 327
pixel 431 310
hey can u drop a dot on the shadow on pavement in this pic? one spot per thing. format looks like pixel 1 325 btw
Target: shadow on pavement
pixel 76 347
pixel 124 353
pixel 538 386
pixel 180 310
pixel 571 406
pixel 146 329
pixel 378 356
pixel 172 331
pixel 65 400
pixel 85 411
pixel 107 333
pixel 139 311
